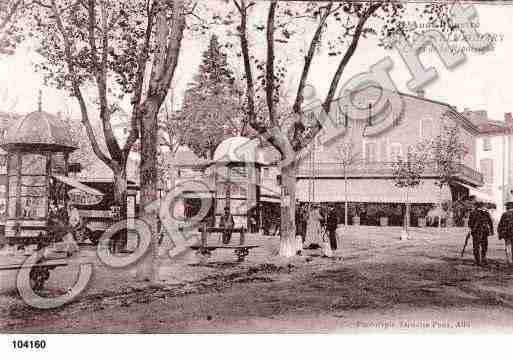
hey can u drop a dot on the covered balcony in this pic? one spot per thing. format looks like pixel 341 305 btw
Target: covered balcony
pixel 465 174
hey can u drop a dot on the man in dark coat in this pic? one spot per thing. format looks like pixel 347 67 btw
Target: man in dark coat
pixel 331 227
pixel 227 223
pixel 481 226
pixel 505 231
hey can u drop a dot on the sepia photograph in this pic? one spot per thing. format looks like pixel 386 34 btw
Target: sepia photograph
pixel 250 167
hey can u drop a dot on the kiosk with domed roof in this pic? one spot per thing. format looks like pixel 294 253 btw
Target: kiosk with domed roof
pixel 38 148
pixel 238 162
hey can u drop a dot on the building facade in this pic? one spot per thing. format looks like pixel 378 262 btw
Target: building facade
pixel 376 142
pixel 494 155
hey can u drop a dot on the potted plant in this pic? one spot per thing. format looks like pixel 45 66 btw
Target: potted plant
pixel 372 215
pixel 420 213
pixel 448 208
pixel 356 215
pixel 461 211
pixel 383 216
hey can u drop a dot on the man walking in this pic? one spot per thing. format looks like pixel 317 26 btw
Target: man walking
pixel 481 226
pixel 227 223
pixel 331 226
pixel 505 231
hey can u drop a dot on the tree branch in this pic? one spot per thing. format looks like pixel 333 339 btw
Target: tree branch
pixel 239 7
pixel 174 44
pixel 40 3
pixel 162 45
pixel 100 75
pixel 250 89
pixel 260 128
pixel 76 88
pixel 137 107
pixel 308 59
pixel 10 14
pixel 349 54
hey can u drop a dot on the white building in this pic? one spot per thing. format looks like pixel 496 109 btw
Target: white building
pixel 494 155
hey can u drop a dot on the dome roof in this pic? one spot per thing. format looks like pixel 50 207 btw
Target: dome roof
pixel 239 149
pixel 40 130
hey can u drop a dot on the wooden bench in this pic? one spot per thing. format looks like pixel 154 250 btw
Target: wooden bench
pixel 39 272
pixel 240 230
pixel 241 250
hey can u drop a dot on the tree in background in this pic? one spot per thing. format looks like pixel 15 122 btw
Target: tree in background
pixel 85 154
pixel 212 103
pixel 84 50
pixel 10 34
pixel 407 174
pixel 122 50
pixel 174 131
pixel 7 120
pixel 447 152
pixel 347 156
pixel 350 21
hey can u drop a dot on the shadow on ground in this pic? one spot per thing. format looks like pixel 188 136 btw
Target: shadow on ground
pixel 319 287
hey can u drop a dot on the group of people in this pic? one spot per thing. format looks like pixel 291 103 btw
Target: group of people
pixel 317 229
pixel 481 227
pixel 63 222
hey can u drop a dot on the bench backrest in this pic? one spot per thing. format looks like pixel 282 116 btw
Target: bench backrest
pixel 220 230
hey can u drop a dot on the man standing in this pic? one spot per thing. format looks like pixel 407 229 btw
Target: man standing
pixel 505 231
pixel 331 226
pixel 227 223
pixel 481 226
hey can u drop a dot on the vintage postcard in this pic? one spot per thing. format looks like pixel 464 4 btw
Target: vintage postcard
pixel 241 166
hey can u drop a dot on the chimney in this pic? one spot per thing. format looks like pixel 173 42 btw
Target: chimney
pixel 40 101
pixel 508 119
pixel 420 92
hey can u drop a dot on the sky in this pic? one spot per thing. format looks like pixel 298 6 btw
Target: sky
pixel 483 81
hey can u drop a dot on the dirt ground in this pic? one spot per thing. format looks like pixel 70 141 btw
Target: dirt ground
pixel 378 283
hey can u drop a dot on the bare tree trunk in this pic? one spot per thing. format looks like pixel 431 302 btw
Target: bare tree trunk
pixel 407 215
pixel 148 270
pixel 172 172
pixel 169 35
pixel 288 243
pixel 120 199
pixel 346 205
pixel 406 220
pixel 440 208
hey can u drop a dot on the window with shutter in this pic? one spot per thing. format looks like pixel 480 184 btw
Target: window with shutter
pixel 384 151
pixel 395 151
pixel 487 169
pixel 487 144
pixel 370 152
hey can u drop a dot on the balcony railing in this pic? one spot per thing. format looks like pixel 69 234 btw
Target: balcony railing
pixel 381 169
